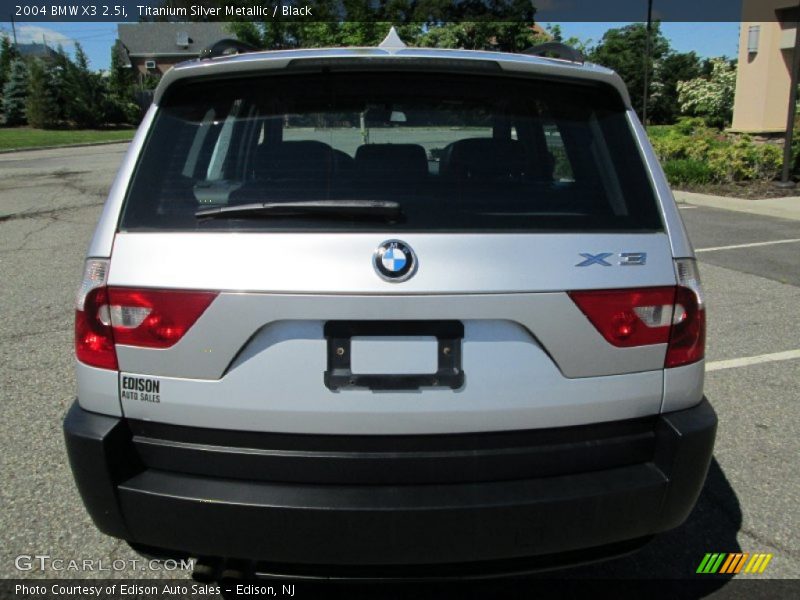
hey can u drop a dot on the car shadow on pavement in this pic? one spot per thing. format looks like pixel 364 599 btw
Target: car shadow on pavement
pixel 675 555
pixel 664 568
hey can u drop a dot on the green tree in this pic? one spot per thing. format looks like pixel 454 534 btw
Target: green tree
pixel 246 31
pixel 15 93
pixel 121 77
pixel 85 92
pixel 710 97
pixel 317 34
pixel 120 102
pixel 481 35
pixel 81 60
pixel 7 55
pixel 555 35
pixel 499 24
pixel 673 68
pixel 41 107
pixel 61 68
pixel 624 51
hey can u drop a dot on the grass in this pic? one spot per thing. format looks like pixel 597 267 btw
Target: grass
pixel 12 138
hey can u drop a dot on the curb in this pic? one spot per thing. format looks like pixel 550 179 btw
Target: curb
pixel 82 145
pixel 787 207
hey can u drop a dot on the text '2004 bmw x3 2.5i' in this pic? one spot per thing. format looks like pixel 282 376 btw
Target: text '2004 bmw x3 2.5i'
pixel 390 310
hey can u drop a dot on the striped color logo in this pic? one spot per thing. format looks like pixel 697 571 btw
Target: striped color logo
pixel 733 563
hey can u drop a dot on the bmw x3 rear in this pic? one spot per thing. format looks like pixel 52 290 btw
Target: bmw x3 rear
pixel 390 311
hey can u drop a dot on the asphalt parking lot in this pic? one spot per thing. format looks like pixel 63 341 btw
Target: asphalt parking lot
pixel 50 201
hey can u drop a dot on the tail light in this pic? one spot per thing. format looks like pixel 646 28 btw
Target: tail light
pixel 673 315
pixel 687 341
pixel 94 340
pixel 154 318
pixel 133 317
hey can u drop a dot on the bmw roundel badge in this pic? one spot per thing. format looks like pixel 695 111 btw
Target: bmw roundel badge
pixel 394 261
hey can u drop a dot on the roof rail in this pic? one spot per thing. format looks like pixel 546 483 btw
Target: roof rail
pixel 225 47
pixel 556 50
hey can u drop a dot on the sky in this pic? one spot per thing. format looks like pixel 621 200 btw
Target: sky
pixel 706 39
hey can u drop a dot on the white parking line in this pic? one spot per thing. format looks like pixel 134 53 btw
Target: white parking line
pixel 753 245
pixel 685 206
pixel 752 360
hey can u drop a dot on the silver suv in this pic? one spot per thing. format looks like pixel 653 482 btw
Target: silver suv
pixel 390 311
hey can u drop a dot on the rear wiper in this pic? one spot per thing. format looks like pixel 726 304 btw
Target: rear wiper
pixel 373 209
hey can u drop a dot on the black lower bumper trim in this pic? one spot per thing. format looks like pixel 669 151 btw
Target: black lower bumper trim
pixel 393 460
pixel 445 572
pixel 347 525
pixel 352 525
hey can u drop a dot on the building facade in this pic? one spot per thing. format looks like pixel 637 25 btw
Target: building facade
pixel 153 48
pixel 765 64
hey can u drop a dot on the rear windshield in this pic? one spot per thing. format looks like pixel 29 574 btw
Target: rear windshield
pixel 446 152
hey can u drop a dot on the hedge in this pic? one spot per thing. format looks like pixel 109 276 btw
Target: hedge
pixel 692 153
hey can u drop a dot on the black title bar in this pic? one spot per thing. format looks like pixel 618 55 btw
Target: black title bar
pixel 394 11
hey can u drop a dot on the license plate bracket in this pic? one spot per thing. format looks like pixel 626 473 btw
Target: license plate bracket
pixel 339 374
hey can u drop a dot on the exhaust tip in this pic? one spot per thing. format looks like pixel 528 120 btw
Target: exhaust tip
pixel 206 570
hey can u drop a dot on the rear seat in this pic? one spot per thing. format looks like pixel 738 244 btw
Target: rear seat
pixel 300 160
pixel 486 159
pixel 396 162
pixel 301 169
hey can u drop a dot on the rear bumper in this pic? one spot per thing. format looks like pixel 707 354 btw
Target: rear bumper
pixel 562 493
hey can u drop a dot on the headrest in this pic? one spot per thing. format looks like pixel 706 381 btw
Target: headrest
pixel 294 160
pixel 401 160
pixel 485 159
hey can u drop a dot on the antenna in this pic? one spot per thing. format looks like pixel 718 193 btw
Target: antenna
pixel 392 41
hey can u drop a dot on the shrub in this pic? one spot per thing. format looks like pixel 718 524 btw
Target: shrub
pixel 692 153
pixel 744 160
pixel 689 125
pixel 689 138
pixel 119 111
pixel 684 171
pixel 670 147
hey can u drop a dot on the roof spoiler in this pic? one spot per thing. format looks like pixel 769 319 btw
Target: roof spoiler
pixel 556 50
pixel 226 47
